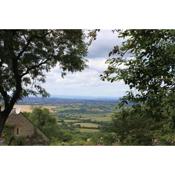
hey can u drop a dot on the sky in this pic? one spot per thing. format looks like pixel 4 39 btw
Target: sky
pixel 88 83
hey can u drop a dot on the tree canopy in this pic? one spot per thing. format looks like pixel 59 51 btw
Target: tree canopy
pixel 145 61
pixel 26 56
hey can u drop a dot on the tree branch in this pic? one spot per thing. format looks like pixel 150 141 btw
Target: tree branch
pixel 2 91
pixel 33 67
pixel 24 49
pixel 28 43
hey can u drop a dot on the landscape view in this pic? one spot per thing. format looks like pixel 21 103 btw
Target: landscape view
pixel 87 87
pixel 74 121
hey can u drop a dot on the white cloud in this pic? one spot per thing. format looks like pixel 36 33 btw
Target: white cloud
pixel 85 83
pixel 88 82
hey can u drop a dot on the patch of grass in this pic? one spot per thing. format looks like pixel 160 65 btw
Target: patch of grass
pixel 88 130
pixel 87 125
pixel 98 118
pixel 71 121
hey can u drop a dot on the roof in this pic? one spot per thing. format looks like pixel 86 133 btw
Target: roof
pixel 15 115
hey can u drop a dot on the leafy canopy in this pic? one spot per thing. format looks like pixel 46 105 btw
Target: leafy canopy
pixel 26 56
pixel 45 121
pixel 145 61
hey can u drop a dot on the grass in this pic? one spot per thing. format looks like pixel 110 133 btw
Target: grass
pixel 71 120
pixel 88 130
pixel 75 116
pixel 87 125
pixel 98 118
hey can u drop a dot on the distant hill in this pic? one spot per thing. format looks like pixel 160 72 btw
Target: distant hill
pixel 56 101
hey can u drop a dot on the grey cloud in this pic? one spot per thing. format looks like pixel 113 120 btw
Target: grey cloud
pixel 85 83
pixel 104 43
pixel 88 82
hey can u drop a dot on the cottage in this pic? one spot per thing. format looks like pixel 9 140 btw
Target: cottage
pixel 23 127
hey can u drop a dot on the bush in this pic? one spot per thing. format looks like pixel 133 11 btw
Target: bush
pixel 136 125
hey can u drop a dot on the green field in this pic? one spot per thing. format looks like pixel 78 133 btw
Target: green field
pixel 84 117
pixel 87 125
pixel 98 118
pixel 85 130
pixel 74 124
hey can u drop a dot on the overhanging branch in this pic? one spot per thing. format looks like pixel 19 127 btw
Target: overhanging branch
pixel 24 49
pixel 33 67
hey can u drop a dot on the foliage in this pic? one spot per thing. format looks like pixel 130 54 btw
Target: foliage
pixel 85 109
pixel 136 126
pixel 26 56
pixel 66 133
pixel 10 139
pixel 145 61
pixel 7 135
pixel 45 121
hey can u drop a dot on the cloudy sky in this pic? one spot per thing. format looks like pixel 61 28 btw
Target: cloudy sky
pixel 88 83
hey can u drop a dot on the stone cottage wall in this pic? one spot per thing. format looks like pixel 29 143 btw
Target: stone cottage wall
pixel 22 126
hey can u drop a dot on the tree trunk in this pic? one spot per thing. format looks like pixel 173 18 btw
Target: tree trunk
pixel 3 119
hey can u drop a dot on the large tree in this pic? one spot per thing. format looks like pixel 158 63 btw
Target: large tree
pixel 145 61
pixel 26 56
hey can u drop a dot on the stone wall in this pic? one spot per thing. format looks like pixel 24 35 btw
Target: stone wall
pixel 21 126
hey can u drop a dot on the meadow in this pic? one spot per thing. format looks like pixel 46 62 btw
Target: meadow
pixel 83 116
pixel 76 121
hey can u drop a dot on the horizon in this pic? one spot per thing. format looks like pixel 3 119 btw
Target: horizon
pixel 75 97
pixel 84 97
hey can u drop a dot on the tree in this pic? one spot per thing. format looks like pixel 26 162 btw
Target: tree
pixel 45 121
pixel 136 126
pixel 145 61
pixel 26 56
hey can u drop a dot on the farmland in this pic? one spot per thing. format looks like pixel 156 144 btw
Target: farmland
pixel 82 115
pixel 75 116
pixel 71 121
pixel 29 108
